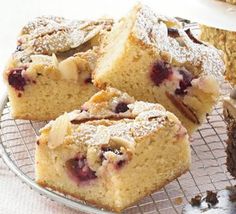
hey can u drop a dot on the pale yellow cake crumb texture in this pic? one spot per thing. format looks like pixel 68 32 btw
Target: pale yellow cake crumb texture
pixel 154 145
pixel 50 72
pixel 225 41
pixel 50 95
pixel 137 42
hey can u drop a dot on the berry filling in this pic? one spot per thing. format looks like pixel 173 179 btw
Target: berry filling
pixel 19 48
pixel 184 83
pixel 120 162
pixel 79 170
pixel 16 80
pixel 88 80
pixel 160 71
pixel 121 107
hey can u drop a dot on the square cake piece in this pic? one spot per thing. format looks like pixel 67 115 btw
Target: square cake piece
pixel 112 153
pixel 153 59
pixel 50 71
pixel 226 41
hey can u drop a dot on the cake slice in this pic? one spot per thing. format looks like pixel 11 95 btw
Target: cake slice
pixel 153 59
pixel 50 71
pixel 226 41
pixel 112 153
pixel 229 111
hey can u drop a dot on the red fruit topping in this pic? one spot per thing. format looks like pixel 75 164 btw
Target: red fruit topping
pixel 120 163
pixel 19 48
pixel 160 71
pixel 88 80
pixel 184 83
pixel 121 107
pixel 16 80
pixel 79 170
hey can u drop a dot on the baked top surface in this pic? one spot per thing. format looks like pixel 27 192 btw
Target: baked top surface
pixel 51 35
pixel 100 121
pixel 166 35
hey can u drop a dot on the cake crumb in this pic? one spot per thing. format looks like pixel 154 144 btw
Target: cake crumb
pixel 212 198
pixel 196 201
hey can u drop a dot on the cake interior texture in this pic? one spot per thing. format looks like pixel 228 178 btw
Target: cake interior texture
pixel 153 59
pixel 50 71
pixel 226 41
pixel 112 161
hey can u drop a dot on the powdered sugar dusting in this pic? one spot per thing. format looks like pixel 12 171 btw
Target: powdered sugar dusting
pixel 126 128
pixel 49 34
pixel 152 29
pixel 135 125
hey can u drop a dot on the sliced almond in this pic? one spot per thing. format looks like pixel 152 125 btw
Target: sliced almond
pixel 74 114
pixel 93 158
pixel 54 60
pixel 208 84
pixel 102 135
pixel 68 69
pixel 146 115
pixel 58 131
pixel 184 109
pixel 41 59
pixel 122 142
pixel 140 106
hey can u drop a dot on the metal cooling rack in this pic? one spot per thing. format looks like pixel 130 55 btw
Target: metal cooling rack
pixel 208 170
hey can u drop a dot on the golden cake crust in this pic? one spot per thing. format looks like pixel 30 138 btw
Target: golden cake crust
pixel 150 30
pixel 102 206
